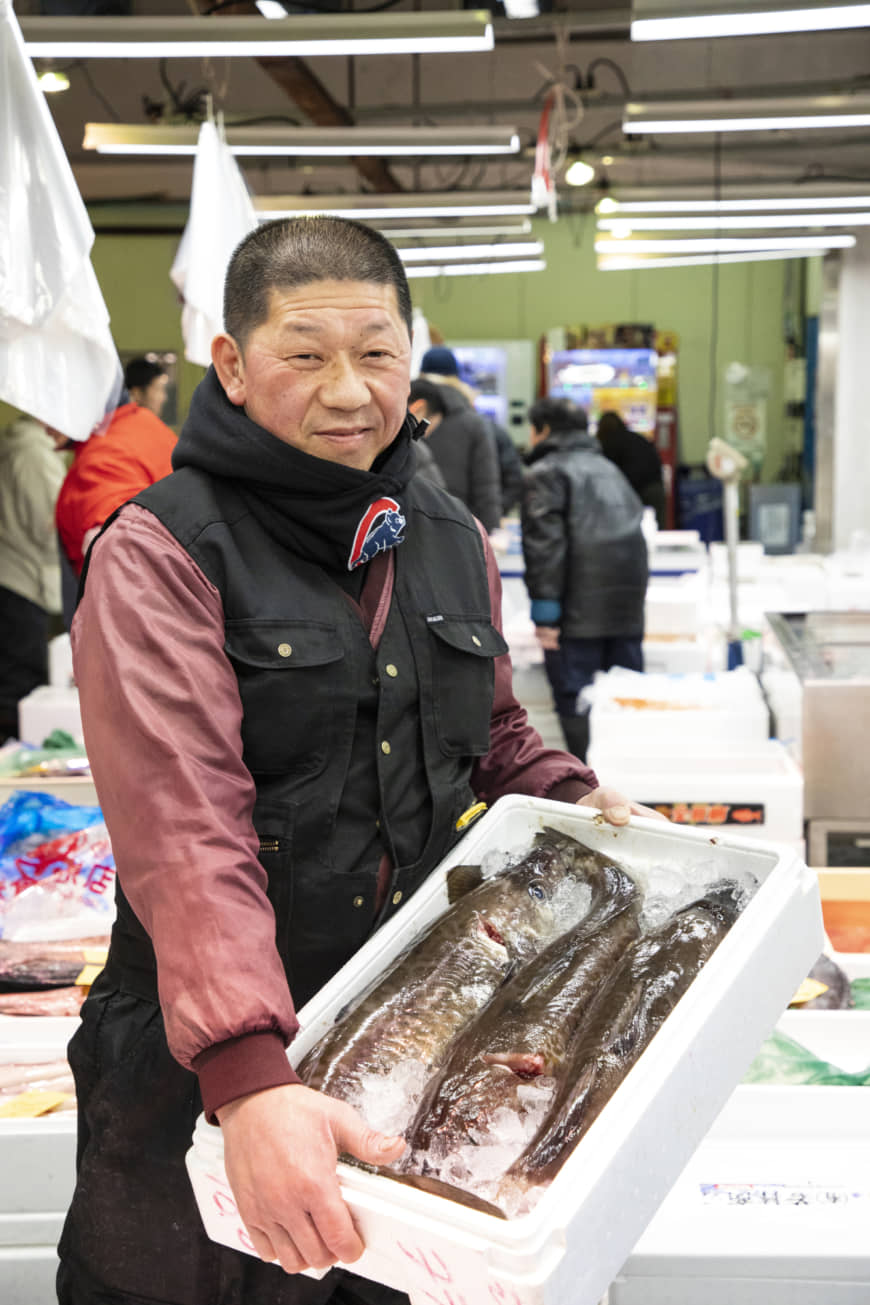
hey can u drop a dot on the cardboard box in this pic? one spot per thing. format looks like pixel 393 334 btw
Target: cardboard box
pixel 569 1248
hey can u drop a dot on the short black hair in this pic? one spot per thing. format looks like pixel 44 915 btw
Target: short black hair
pixel 293 252
pixel 140 372
pixel 431 395
pixel 558 414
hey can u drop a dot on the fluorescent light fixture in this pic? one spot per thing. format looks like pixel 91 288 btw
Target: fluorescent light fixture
pixel 749 21
pixel 51 82
pixel 305 35
pixel 478 269
pixel 457 228
pixel 445 253
pixel 780 113
pixel 725 245
pixel 738 222
pixel 368 208
pixel 324 142
pixel 610 205
pixel 611 263
pixel 579 173
pixel 271 8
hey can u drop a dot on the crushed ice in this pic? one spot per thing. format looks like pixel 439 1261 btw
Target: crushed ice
pixel 388 1102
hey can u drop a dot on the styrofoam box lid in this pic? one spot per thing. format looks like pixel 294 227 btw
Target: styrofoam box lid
pixel 567 1250
pixel 773 766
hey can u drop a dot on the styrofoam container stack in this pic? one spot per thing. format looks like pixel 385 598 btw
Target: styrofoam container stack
pixel 37 1169
pixel 772 1208
pixel 674 654
pixel 676 552
pixel 633 712
pixel 757 791
pixel 569 1248
pixel 49 707
pixel 750 557
pixel 675 605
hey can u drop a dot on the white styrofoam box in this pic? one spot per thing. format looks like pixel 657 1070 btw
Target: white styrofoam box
pixel 750 556
pixel 60 665
pixel 771 1210
pixel 37 1156
pixel 567 1250
pixel 674 604
pixel 700 709
pixel 49 708
pixel 707 782
pixel 75 789
pixel 677 551
pixel 28 1273
pixel 679 654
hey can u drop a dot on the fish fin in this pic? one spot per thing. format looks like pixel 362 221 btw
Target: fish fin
pixel 437 1187
pixel 461 879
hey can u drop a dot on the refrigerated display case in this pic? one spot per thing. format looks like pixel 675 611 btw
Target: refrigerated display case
pixel 826 658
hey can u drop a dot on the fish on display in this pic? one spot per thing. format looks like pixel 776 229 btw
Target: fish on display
pixel 429 994
pixel 644 989
pixel 836 990
pixel 45 964
pixel 523 1035
pixel 49 1001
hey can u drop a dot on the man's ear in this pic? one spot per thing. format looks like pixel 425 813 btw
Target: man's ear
pixel 230 367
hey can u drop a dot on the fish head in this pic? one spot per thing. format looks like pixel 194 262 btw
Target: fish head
pixel 522 908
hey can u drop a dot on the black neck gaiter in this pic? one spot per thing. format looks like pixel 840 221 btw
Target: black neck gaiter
pixel 324 512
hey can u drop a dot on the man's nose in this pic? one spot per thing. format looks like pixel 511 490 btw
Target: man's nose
pixel 343 385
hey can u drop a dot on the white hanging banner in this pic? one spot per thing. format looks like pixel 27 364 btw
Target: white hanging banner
pixel 221 214
pixel 58 361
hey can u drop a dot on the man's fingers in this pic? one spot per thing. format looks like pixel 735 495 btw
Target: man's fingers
pixel 638 809
pixel 262 1244
pixel 302 1246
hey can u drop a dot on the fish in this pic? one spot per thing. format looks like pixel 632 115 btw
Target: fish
pixel 747 815
pixel 655 973
pixel 45 964
pixel 49 1001
pixel 837 994
pixel 430 993
pixel 524 1033
pixel 15 1078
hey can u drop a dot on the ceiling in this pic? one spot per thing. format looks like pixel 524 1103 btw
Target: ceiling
pixel 589 54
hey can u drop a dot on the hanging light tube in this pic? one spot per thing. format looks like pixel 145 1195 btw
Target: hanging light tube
pixel 749 21
pixel 456 228
pixel 478 269
pixel 443 253
pixel 723 245
pixel 786 113
pixel 614 263
pixel 302 35
pixel 324 142
pixel 731 205
pixel 368 208
pixel 738 222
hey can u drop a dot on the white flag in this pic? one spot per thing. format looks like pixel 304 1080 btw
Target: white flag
pixel 221 214
pixel 58 361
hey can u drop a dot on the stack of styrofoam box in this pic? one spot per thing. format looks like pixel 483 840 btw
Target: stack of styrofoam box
pixel 37 1169
pixel 693 711
pixel 848 577
pixel 50 707
pixel 756 789
pixel 773 1207
pixel 676 552
pixel 676 632
pixel 568 1249
pixel 766 584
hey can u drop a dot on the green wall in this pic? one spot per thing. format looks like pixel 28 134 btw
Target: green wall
pixel 133 271
pixel 572 291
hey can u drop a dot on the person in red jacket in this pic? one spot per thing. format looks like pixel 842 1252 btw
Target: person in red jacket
pixel 107 470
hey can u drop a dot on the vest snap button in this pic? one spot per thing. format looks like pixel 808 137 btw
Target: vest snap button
pixel 385 748
pixel 391 670
pixel 358 901
pixel 397 897
pixel 284 650
pixel 476 641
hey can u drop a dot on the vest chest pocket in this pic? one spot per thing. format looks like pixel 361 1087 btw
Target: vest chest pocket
pixel 463 675
pixel 292 679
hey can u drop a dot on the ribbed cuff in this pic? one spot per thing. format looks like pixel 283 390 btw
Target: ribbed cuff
pixel 239 1066
pixel 546 611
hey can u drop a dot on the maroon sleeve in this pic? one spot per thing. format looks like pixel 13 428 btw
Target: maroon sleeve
pixel 162 724
pixel 517 761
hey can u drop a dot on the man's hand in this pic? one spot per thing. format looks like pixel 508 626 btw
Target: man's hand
pixel 548 637
pixel 280 1151
pixel 615 807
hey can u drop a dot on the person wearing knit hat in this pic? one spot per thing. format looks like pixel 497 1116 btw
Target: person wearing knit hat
pixel 439 361
pixel 463 446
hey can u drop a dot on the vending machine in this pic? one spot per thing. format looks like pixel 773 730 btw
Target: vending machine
pixel 502 374
pixel 601 380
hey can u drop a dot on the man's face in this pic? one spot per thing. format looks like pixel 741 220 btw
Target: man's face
pixel 328 371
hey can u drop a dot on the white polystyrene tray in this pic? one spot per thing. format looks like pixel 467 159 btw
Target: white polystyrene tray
pixel 37 1156
pixel 569 1248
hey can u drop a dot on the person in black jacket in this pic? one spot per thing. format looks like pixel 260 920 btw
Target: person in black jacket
pixel 586 560
pixel 638 460
pixel 463 446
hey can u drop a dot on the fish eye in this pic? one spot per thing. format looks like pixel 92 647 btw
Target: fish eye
pixel 535 890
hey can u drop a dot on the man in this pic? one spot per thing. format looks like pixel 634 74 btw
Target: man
pixel 463 445
pixel 425 404
pixel 106 471
pixel 586 560
pixel 292 685
pixel 147 383
pixel 30 476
